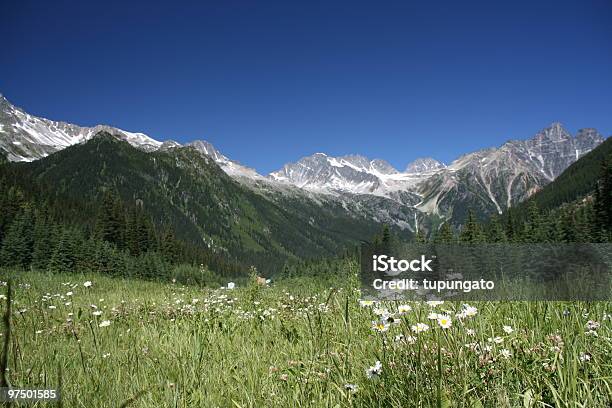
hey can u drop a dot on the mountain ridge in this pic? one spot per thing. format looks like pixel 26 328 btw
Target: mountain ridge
pixel 490 179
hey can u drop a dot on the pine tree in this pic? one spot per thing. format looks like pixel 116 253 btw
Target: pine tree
pixel 419 237
pixel 471 231
pixel 44 241
pixel 386 237
pixel 169 246
pixel 534 230
pixel 11 203
pixel 64 258
pixel 495 231
pixel 445 234
pixel 110 225
pixel 18 244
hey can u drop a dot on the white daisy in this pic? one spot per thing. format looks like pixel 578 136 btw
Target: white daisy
pixel 444 321
pixel 375 370
pixel 419 328
pixel 401 309
pixel 105 323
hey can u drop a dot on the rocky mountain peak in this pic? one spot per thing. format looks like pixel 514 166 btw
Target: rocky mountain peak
pixel 424 165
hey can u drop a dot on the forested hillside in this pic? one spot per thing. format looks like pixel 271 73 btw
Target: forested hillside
pixel 172 206
pixel 576 207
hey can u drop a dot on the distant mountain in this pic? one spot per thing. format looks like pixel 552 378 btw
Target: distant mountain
pixel 24 137
pixel 182 188
pixel 424 165
pixel 575 183
pixel 487 181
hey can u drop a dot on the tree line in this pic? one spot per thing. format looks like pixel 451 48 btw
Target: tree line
pixel 122 241
pixel 586 219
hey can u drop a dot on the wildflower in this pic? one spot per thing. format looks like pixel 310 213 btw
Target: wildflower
pixel 2 297
pixel 469 311
pixel 52 307
pixel 399 338
pixel 585 357
pixel 105 323
pixel 434 303
pixel 351 388
pixel 88 284
pixel 496 340
pixel 419 328
pixel 390 318
pixel 380 311
pixel 231 285
pixel 505 353
pixel 470 332
pixel 566 313
pixel 97 313
pixel 375 370
pixel 444 321
pixel 508 329
pixel 432 316
pixel 106 355
pixel 401 309
pixel 380 326
pixel 38 331
pixel 69 293
pixel 283 377
pixel 593 325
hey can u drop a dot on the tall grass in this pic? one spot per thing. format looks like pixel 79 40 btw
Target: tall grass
pixel 296 344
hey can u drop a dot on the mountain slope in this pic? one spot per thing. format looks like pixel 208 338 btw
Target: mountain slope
pixel 182 188
pixel 576 182
pixel 25 137
pixel 487 181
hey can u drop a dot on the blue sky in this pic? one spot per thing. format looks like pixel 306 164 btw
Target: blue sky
pixel 270 82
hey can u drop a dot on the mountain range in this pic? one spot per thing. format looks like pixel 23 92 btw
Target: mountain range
pixel 423 194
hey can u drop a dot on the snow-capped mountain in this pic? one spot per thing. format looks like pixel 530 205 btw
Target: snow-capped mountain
pixel 231 167
pixel 487 181
pixel 424 165
pixel 24 137
pixel 355 174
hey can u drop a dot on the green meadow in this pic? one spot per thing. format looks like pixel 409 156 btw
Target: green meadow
pixel 301 342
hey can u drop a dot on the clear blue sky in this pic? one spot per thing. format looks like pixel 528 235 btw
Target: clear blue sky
pixel 270 82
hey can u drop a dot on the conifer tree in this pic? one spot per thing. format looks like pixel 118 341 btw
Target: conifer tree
pixel 495 231
pixel 445 234
pixel 471 231
pixel 64 258
pixel 534 230
pixel 18 244
pixel 110 225
pixel 44 240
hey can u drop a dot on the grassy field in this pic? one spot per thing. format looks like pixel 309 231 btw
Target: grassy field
pixel 132 343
